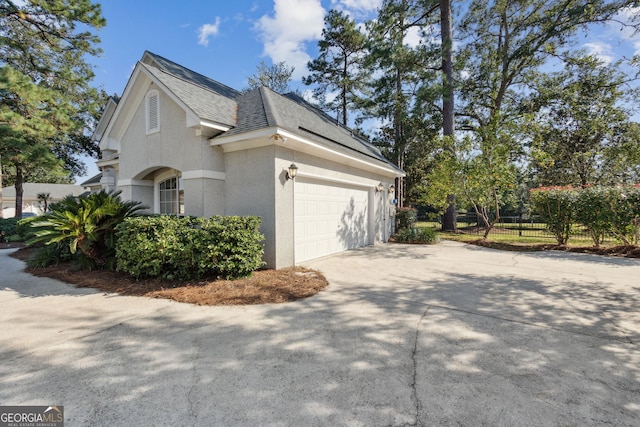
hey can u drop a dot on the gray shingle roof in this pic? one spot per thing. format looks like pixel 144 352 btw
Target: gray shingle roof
pixel 207 104
pixel 256 109
pixel 191 76
pixel 93 180
pixel 262 108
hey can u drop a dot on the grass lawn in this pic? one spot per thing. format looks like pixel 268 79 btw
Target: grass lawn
pixel 533 234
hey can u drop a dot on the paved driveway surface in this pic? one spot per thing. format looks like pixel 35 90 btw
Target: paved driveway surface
pixel 405 335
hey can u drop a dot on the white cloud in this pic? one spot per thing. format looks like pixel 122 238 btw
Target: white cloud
pixel 413 37
pixel 285 34
pixel 208 30
pixel 601 51
pixel 357 5
pixel 629 16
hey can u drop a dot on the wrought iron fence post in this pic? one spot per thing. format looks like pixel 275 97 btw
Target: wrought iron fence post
pixel 520 225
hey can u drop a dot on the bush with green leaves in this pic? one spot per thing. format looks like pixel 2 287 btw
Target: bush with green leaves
pixel 603 211
pixel 624 204
pixel 183 248
pixel 416 235
pixel 593 210
pixel 87 224
pixel 406 217
pixel 8 226
pixel 557 208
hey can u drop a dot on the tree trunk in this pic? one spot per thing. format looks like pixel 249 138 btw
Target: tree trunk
pixel 449 222
pixel 19 191
pixel 398 136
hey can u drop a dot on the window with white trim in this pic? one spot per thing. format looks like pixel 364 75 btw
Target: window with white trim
pixel 153 111
pixel 171 196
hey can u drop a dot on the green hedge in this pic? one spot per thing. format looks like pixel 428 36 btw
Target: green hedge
pixel 604 211
pixel 416 235
pixel 406 217
pixel 183 248
pixel 8 226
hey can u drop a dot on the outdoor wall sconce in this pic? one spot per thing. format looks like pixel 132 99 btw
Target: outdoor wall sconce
pixel 292 171
pixel 379 187
pixel 392 189
pixel 278 137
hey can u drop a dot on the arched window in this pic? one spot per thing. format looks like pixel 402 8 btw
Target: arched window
pixel 171 196
pixel 153 111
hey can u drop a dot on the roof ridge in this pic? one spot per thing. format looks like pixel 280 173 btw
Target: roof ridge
pixel 269 111
pixel 209 79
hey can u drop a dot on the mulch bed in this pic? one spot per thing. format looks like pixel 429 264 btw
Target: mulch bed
pixel 627 251
pixel 262 287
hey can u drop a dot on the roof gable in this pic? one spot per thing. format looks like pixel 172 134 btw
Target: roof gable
pixel 187 75
pixel 206 104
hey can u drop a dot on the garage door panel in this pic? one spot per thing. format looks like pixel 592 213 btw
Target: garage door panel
pixel 329 218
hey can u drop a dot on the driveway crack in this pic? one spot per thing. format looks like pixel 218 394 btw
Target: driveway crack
pixel 414 390
pixel 195 380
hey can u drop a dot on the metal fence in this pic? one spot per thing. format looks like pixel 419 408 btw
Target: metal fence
pixel 521 226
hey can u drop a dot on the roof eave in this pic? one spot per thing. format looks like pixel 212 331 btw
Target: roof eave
pixel 282 137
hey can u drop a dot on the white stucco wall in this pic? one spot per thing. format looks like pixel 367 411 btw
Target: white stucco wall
pixel 246 182
pixel 249 190
pixel 175 147
pixel 256 184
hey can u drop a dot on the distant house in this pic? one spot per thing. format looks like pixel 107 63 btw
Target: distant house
pixel 93 184
pixel 182 143
pixel 30 201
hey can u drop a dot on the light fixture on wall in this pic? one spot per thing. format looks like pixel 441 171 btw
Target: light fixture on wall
pixel 392 189
pixel 292 171
pixel 379 187
pixel 278 137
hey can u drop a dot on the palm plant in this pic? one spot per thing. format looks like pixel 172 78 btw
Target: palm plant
pixel 86 223
pixel 44 198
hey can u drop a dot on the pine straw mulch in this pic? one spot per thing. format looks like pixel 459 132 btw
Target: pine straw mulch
pixel 262 287
pixel 626 251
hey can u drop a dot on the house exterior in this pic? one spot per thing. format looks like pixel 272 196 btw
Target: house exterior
pixel 184 144
pixel 30 202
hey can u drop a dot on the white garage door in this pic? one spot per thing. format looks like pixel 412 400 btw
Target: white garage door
pixel 329 218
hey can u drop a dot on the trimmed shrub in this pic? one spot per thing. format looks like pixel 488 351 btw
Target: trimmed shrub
pixel 406 217
pixel 603 211
pixel 183 248
pixel 556 207
pixel 625 214
pixel 416 235
pixel 8 226
pixel 593 210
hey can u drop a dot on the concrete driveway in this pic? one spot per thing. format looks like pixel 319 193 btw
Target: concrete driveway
pixel 405 335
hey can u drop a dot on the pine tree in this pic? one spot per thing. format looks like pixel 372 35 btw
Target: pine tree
pixel 46 104
pixel 339 65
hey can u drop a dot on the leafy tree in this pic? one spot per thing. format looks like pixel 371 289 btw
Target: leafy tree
pixel 339 65
pixel 276 77
pixel 581 133
pixel 47 103
pixel 502 45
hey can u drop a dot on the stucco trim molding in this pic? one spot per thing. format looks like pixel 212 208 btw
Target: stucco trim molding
pixel 200 174
pixel 135 182
pixel 334 180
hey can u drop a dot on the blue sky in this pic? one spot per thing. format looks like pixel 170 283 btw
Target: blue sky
pixel 226 40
